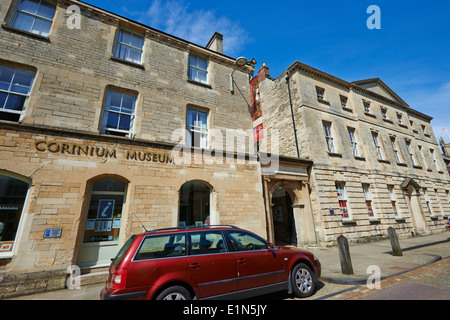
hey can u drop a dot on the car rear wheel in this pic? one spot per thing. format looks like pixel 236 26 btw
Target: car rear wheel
pixel 174 293
pixel 303 281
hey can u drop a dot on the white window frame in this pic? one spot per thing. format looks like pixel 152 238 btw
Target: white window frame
pixel 434 159
pixel 377 144
pixel 118 44
pixel 342 197
pixel 11 92
pixel 366 105
pixel 353 141
pixel 198 68
pixel 320 93
pixel 423 157
pixel 393 200
pixel 396 152
pixel 436 193
pixel 411 153
pixel 344 101
pixel 196 129
pixel 427 201
pixel 368 198
pixel 329 136
pixel 35 17
pixel 108 108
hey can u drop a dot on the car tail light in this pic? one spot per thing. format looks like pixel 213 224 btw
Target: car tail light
pixel 119 278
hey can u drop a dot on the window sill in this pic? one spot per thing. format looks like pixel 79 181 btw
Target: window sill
pixel 400 219
pixel 401 164
pixel 348 221
pixel 441 172
pixel 360 158
pixel 417 167
pixel 403 125
pixel 25 33
pixel 429 170
pixel 133 64
pixel 370 115
pixel 427 135
pixel 388 120
pixel 434 218
pixel 335 154
pixel 323 101
pixel 415 131
pixel 384 161
pixel 374 220
pixel 199 83
pixel 347 109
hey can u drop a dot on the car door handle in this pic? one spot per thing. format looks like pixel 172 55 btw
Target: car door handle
pixel 194 266
pixel 242 261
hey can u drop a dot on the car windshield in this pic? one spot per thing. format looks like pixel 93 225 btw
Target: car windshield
pixel 122 251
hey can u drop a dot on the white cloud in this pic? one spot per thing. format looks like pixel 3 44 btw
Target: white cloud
pixel 195 25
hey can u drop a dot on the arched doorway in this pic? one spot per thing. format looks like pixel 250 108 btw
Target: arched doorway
pixel 13 196
pixel 103 223
pixel 283 218
pixel 195 204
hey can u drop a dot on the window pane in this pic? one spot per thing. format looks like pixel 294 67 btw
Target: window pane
pixel 114 99
pixel 193 74
pixel 3 97
pixel 112 120
pixel 42 27
pixel 137 41
pixel 124 37
pixel 128 103
pixel 124 123
pixel 243 241
pixel 193 60
pixel 6 75
pixel 112 185
pixel 15 102
pixel 122 51
pixel 30 6
pixel 162 247
pixel 22 82
pixel 202 63
pixel 134 55
pixel 207 243
pixel 46 10
pixel 23 22
pixel 201 76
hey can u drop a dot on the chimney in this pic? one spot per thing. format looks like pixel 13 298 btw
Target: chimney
pixel 263 71
pixel 216 43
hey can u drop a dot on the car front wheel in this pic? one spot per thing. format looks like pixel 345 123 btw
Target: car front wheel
pixel 174 293
pixel 303 281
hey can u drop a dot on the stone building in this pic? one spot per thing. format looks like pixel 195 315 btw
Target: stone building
pixel 109 128
pixel 376 162
pixel 445 152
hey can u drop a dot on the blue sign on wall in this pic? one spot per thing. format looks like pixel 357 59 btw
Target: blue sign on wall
pixel 53 233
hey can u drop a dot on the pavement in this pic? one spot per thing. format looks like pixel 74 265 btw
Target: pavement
pixel 369 260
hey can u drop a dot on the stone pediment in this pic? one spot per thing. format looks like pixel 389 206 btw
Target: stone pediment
pixel 377 86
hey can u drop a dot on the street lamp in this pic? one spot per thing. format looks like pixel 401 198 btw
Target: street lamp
pixel 240 62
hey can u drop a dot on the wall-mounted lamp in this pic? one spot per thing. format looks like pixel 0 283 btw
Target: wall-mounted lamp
pixel 240 62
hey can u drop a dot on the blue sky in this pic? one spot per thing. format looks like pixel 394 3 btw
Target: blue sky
pixel 410 53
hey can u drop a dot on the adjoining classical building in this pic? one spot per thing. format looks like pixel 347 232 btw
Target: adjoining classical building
pixel 376 162
pixel 445 152
pixel 107 129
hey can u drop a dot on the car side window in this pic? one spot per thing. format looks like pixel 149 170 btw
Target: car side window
pixel 158 247
pixel 244 241
pixel 207 242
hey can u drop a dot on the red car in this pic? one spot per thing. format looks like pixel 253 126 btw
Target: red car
pixel 208 262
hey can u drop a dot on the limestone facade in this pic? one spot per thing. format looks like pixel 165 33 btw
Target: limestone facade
pixel 326 111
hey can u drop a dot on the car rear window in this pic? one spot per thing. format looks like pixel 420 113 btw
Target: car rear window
pixel 118 259
pixel 159 247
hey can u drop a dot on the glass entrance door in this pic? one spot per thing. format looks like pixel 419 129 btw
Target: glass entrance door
pixel 103 223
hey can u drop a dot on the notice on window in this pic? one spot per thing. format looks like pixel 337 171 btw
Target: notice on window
pixel 103 226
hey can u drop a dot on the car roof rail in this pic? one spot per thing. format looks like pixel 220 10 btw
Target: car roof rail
pixel 193 227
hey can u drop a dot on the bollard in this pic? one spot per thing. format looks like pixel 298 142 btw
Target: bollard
pixel 344 255
pixel 396 249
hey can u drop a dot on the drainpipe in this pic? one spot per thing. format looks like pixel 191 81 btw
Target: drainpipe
pixel 292 113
